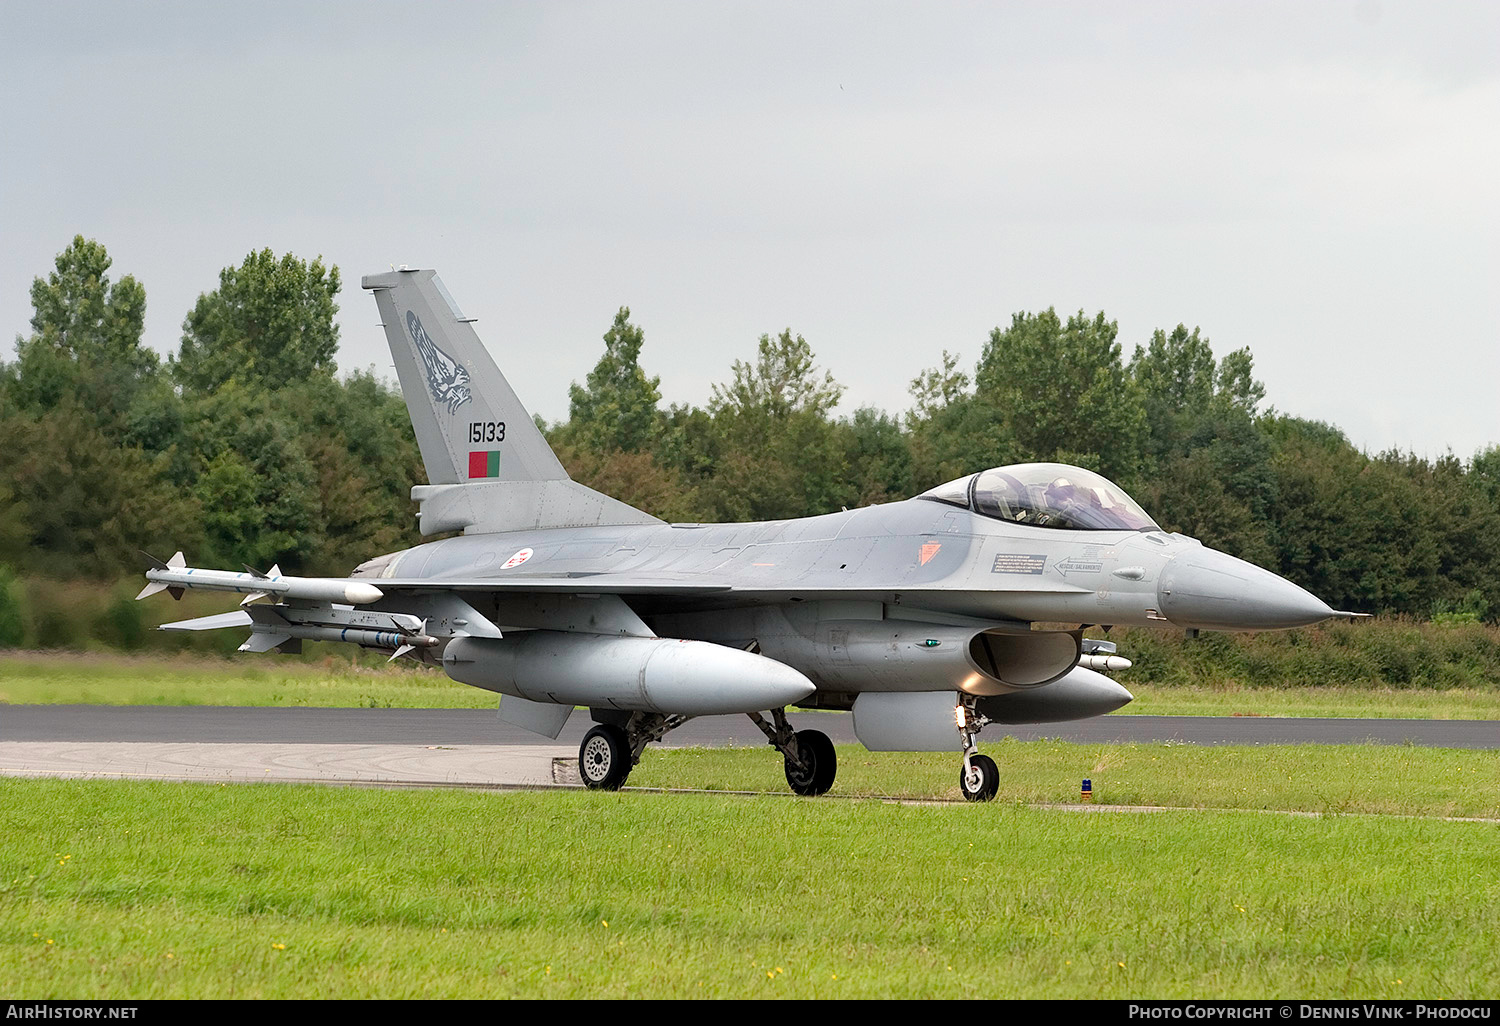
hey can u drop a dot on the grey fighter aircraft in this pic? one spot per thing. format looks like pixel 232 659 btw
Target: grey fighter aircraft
pixel 928 618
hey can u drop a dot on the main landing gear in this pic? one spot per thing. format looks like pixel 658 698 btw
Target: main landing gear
pixel 811 763
pixel 979 778
pixel 610 751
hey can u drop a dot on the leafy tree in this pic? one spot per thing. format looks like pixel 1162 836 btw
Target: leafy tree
pixel 268 324
pixel 782 382
pixel 86 338
pixel 952 431
pixel 12 610
pixel 635 478
pixel 1063 391
pixel 89 503
pixel 936 388
pixel 79 313
pixel 878 455
pixel 1190 493
pixel 256 484
pixel 616 408
pixel 1352 529
pixel 777 452
pixel 966 435
pixel 1175 375
pixel 1484 472
pixel 1237 387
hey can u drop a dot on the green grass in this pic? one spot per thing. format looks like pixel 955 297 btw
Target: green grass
pixel 36 678
pixel 51 678
pixel 1331 779
pixel 136 890
pixel 1327 700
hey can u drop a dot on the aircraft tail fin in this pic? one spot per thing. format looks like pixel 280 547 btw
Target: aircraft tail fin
pixel 470 425
pixel 488 465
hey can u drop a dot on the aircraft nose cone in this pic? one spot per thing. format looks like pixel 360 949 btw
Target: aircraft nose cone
pixel 1213 590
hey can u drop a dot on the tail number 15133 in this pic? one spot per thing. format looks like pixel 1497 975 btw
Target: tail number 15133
pixel 487 431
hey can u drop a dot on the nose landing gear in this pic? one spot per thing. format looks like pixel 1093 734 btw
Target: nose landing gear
pixel 979 779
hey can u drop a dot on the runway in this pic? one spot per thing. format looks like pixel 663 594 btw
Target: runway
pixel 474 748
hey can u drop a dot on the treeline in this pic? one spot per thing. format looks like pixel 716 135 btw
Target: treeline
pixel 243 447
pixel 246 447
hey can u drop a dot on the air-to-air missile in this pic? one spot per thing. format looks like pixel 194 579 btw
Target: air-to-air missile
pixel 175 575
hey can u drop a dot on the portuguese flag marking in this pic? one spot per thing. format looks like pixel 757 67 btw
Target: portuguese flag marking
pixel 484 464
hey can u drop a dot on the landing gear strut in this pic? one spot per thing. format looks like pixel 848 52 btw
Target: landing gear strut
pixel 811 763
pixel 610 751
pixel 979 778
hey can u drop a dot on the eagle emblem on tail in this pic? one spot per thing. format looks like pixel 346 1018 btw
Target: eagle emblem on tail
pixel 447 379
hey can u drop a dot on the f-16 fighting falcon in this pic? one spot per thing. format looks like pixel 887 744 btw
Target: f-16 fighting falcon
pixel 928 618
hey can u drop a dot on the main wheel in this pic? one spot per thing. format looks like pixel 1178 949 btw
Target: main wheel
pixel 820 764
pixel 980 779
pixel 604 758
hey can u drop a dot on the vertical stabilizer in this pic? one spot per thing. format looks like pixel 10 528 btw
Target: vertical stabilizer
pixel 488 466
pixel 469 424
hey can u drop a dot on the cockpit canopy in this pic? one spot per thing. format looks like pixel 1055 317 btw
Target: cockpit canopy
pixel 1046 495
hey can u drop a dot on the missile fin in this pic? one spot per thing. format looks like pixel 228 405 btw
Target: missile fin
pixel 177 560
pixel 264 641
pixel 175 592
pixel 152 563
pixel 401 652
pixel 151 589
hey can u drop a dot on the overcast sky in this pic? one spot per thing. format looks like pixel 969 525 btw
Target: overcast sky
pixel 1317 181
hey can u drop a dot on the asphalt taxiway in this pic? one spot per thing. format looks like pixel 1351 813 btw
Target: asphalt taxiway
pixel 474 748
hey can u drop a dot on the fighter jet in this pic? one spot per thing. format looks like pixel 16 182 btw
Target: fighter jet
pixel 929 618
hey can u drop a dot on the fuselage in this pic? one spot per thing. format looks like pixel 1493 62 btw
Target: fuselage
pixel 917 554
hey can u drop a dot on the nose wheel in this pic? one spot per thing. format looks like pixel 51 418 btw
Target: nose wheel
pixel 979 777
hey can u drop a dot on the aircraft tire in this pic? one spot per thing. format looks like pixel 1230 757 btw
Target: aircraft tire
pixel 818 777
pixel 604 758
pixel 985 781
